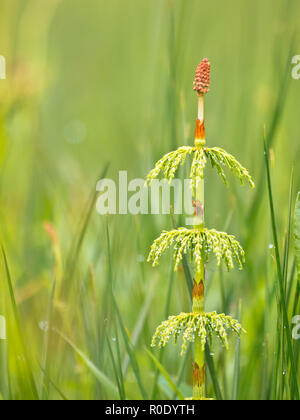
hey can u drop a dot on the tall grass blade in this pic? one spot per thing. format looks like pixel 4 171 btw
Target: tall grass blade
pixel 130 351
pixel 18 324
pixel 4 372
pixel 297 235
pixel 45 356
pixel 99 375
pixel 295 389
pixel 141 319
pixel 212 371
pixel 236 377
pixel 54 386
pixel 165 374
pixel 74 254
pixel 297 251
pixel 119 384
pixel 119 365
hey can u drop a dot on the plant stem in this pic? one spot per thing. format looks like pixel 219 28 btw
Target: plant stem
pixel 201 107
pixel 199 364
pixel 199 282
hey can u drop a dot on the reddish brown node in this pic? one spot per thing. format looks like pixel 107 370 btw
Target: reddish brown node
pixel 198 290
pixel 200 130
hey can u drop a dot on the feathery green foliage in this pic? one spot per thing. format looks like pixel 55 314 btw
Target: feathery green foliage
pixel 198 243
pixel 169 164
pixel 190 325
pixel 219 159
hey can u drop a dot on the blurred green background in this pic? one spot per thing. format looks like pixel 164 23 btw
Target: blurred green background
pixel 91 83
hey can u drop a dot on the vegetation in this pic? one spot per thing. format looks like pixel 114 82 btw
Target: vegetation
pixel 96 87
pixel 199 242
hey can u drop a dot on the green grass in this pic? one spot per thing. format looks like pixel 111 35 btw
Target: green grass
pixel 126 72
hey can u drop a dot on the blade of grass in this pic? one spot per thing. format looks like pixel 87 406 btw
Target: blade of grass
pixel 188 276
pixel 120 387
pixel 164 387
pixel 236 375
pixel 297 252
pixel 182 368
pixel 288 235
pixel 291 283
pixel 121 377
pixel 295 389
pixel 18 324
pixel 56 388
pixel 127 343
pixel 99 375
pixel 45 358
pixel 165 374
pixel 297 236
pixel 4 375
pixel 161 351
pixel 285 284
pixel 130 350
pixel 107 295
pixel 141 319
pixel 212 371
pixel 74 253
pixel 267 381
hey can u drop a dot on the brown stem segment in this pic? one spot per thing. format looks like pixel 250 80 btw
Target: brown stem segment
pixel 200 130
pixel 198 297
pixel 199 382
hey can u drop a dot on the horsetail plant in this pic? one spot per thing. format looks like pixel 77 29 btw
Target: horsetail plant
pixel 198 326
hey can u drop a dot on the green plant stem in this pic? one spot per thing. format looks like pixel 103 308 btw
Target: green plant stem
pixel 199 365
pixel 199 283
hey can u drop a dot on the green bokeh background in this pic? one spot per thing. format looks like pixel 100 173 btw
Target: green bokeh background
pixel 91 82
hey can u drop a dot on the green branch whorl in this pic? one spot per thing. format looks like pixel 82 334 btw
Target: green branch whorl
pixel 198 243
pixel 190 325
pixel 219 159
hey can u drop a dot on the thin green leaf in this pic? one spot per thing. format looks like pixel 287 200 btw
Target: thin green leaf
pixel 212 371
pixel 120 388
pixel 297 235
pixel 99 375
pixel 56 388
pixel 75 250
pixel 130 351
pixel 280 278
pixel 165 374
pixel 18 324
pixel 236 377
pixel 45 355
